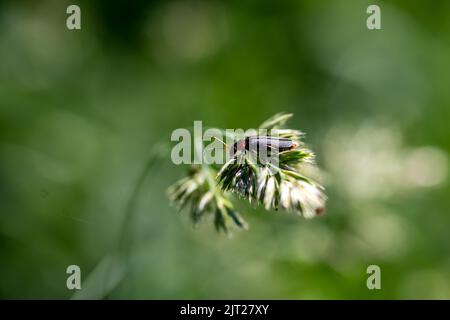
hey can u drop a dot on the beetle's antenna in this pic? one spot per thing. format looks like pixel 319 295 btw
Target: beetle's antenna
pixel 226 146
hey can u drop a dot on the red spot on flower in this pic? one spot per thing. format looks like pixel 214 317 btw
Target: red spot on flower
pixel 320 211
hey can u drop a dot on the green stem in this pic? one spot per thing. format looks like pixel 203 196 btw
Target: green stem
pixel 122 249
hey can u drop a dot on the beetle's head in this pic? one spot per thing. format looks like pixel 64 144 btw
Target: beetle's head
pixel 239 146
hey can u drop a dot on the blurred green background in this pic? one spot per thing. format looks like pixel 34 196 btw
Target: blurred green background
pixel 81 110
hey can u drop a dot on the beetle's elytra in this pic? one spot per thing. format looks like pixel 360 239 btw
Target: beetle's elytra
pixel 264 143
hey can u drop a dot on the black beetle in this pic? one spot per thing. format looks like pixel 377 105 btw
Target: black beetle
pixel 266 144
